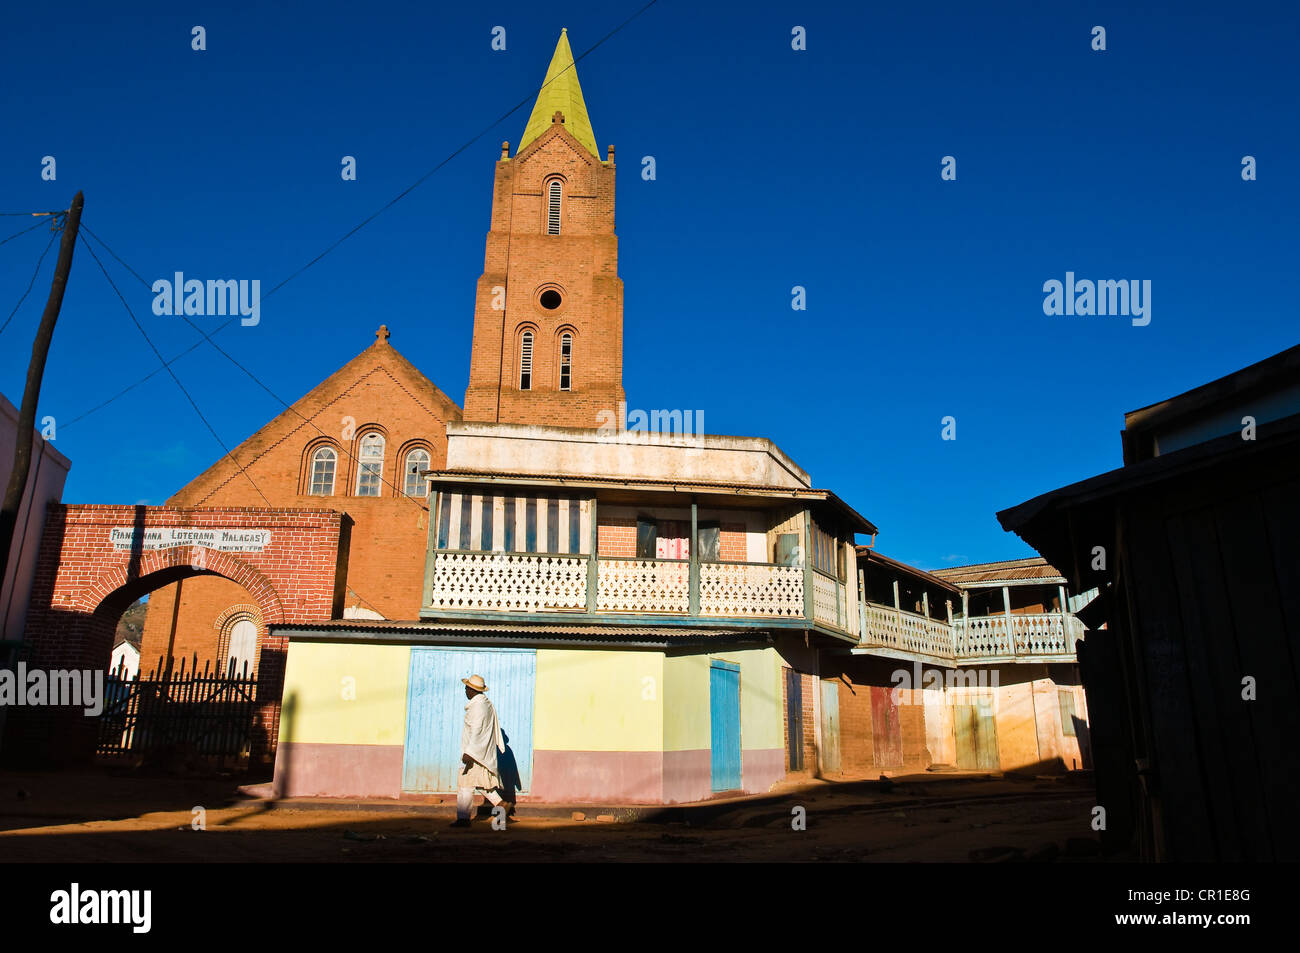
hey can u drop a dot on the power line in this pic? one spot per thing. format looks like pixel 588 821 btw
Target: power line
pixel 23 232
pixel 54 234
pixel 253 377
pixel 366 221
pixel 145 335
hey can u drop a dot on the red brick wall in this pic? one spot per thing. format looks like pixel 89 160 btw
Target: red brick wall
pixel 616 536
pixel 732 543
pixel 386 536
pixel 581 262
pixel 83 584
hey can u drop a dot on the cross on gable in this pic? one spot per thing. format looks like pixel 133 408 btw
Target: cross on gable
pixel 558 117
pixel 382 333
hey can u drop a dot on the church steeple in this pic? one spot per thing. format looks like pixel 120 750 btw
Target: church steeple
pixel 561 93
pixel 548 314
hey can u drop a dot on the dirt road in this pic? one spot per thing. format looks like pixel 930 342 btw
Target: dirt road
pixel 96 818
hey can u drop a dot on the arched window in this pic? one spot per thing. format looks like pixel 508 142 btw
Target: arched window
pixel 417 461
pixel 241 654
pixel 526 361
pixel 553 207
pixel 323 464
pixel 566 361
pixel 370 465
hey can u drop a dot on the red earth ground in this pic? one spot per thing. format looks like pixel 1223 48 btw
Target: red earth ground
pixel 106 816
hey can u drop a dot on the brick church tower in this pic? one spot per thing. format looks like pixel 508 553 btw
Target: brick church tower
pixel 548 317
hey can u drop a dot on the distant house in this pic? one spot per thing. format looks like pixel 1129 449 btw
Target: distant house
pixel 1193 680
pixel 126 660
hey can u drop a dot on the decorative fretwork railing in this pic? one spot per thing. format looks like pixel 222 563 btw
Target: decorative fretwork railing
pixel 826 600
pixel 979 637
pixel 643 585
pixel 519 582
pixel 508 581
pixel 887 627
pixel 751 589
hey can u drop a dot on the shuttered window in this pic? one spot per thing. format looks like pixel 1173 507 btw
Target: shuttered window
pixel 553 209
pixel 526 361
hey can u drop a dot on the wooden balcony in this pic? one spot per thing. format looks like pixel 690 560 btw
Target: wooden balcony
pixel 1049 636
pixel 535 583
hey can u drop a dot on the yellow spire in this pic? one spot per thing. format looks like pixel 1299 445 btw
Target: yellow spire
pixel 561 92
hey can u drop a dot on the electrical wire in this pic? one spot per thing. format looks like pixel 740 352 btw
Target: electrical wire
pixel 366 221
pixel 145 335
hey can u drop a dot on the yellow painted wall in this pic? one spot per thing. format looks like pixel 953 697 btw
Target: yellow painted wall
pixel 599 701
pixel 316 709
pixel 686 700
pixel 686 703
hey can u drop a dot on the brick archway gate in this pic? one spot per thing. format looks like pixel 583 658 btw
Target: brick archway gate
pixel 95 561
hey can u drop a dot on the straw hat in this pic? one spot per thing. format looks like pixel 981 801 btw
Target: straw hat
pixel 476 682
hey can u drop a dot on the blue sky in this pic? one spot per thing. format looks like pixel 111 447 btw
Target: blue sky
pixel 775 168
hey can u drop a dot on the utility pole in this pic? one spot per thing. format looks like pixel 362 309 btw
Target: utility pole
pixel 35 371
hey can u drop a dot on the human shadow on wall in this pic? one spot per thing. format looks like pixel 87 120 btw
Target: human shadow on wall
pixel 508 770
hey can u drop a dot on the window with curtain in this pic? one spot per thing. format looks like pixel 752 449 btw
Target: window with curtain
pixel 323 465
pixel 370 465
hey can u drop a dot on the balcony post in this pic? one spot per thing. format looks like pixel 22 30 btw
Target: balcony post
pixel 1065 629
pixel 898 609
pixel 1006 608
pixel 593 567
pixel 431 551
pixel 925 603
pixel 807 566
pixel 693 555
pixel 862 605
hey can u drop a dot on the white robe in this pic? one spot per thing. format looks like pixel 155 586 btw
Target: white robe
pixel 481 740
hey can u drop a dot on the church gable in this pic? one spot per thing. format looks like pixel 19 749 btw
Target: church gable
pixel 377 390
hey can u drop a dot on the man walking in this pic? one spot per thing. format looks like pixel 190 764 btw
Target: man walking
pixel 479 743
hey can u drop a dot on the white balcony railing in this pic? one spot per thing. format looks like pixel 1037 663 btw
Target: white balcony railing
pixel 979 637
pixel 751 589
pixel 887 627
pixel 523 582
pixel 510 582
pixel 643 585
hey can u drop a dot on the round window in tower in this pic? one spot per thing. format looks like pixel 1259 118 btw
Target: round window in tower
pixel 550 299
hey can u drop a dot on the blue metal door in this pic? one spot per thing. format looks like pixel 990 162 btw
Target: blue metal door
pixel 435 714
pixel 724 724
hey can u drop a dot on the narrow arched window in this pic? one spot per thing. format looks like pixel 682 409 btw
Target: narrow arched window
pixel 370 465
pixel 553 208
pixel 566 361
pixel 323 464
pixel 526 361
pixel 417 461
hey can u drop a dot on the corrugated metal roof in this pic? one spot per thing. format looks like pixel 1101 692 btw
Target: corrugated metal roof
pixel 875 556
pixel 522 630
pixel 1031 569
